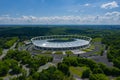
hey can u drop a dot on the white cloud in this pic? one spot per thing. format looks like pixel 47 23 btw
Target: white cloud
pixel 107 18
pixel 87 4
pixel 114 13
pixel 110 5
pixel 113 16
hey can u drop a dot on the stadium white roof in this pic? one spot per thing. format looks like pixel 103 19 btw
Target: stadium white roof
pixel 46 43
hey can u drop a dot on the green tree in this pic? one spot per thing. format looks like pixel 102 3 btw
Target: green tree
pixel 97 70
pixel 98 77
pixel 105 69
pixel 115 71
pixel 58 75
pixel 1 51
pixel 16 70
pixel 35 76
pixel 64 68
pixel 118 78
pixel 10 42
pixel 116 62
pixel 69 52
pixel 3 69
pixel 52 73
pixel 1 79
pixel 86 73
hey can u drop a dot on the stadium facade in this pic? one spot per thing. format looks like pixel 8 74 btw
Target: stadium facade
pixel 61 42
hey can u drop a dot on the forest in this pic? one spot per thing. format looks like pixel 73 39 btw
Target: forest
pixel 16 62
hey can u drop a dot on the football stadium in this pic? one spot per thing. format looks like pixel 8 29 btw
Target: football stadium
pixel 61 42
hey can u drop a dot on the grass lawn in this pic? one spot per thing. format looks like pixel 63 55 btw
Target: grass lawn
pixel 69 52
pixel 58 52
pixel 48 52
pixel 1 51
pixel 77 70
pixel 64 38
pixel 89 49
pixel 97 40
pixel 101 47
pixel 20 43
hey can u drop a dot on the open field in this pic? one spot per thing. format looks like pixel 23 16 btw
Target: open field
pixel 77 70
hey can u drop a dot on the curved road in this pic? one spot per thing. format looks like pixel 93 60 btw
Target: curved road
pixel 4 52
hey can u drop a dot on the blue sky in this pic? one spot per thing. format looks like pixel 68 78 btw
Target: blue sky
pixel 59 11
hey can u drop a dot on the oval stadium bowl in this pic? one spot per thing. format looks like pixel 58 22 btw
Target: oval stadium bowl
pixel 61 42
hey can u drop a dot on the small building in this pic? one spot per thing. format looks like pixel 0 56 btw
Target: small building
pixel 27 42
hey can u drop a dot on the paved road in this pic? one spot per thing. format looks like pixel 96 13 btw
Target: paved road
pixel 27 70
pixel 8 77
pixel 102 59
pixel 96 49
pixel 58 58
pixel 46 66
pixel 13 47
pixel 4 52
